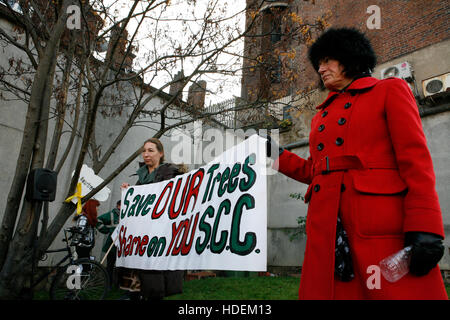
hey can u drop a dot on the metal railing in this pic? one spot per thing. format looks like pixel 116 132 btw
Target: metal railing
pixel 236 113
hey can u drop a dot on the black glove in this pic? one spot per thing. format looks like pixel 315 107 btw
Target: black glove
pixel 271 146
pixel 427 250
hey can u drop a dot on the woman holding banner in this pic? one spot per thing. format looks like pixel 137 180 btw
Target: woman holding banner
pixel 153 284
pixel 371 181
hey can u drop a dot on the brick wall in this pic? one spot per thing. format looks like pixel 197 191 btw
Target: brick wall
pixel 406 26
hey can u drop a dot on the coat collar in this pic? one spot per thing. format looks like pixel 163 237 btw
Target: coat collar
pixel 144 176
pixel 357 85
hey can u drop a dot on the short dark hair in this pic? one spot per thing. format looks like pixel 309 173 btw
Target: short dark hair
pixel 349 46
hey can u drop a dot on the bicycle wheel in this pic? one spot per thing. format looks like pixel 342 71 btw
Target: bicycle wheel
pixel 84 280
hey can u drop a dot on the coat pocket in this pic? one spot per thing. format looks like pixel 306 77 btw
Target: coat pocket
pixel 378 181
pixel 378 205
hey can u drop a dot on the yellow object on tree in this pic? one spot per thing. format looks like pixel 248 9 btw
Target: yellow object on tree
pixel 78 196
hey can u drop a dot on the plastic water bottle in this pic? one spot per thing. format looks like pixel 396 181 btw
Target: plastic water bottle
pixel 394 267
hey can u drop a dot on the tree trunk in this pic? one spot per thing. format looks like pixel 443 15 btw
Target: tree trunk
pixel 12 252
pixel 11 278
pixel 25 234
pixel 13 288
pixel 23 162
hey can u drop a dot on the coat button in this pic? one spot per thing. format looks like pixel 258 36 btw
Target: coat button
pixel 339 141
pixel 341 121
pixel 324 114
pixel 320 146
pixel 347 105
pixel 321 127
pixel 316 188
pixel 342 187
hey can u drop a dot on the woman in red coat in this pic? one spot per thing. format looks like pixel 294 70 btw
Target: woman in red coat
pixel 370 176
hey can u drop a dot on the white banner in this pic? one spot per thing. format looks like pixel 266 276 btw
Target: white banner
pixel 89 180
pixel 211 218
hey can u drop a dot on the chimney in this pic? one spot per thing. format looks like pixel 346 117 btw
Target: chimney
pixel 121 48
pixel 176 88
pixel 196 95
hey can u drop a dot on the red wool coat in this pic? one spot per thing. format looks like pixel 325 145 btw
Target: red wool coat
pixel 370 163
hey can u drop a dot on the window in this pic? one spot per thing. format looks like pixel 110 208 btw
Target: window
pixel 272 27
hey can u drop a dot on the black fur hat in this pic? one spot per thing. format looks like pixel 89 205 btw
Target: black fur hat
pixel 348 46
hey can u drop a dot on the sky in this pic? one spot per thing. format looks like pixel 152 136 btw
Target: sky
pixel 171 30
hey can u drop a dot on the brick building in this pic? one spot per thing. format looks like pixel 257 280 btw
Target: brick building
pixel 275 48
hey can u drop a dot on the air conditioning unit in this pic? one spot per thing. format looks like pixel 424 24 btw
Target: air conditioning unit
pixel 436 84
pixel 402 70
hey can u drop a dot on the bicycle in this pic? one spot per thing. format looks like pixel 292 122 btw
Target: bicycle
pixel 78 279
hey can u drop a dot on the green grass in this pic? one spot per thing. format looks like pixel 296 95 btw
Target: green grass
pixel 259 288
pixel 250 288
pixel 234 288
pixel 231 288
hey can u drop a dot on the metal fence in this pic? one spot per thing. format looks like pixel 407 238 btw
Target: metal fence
pixel 223 112
pixel 236 113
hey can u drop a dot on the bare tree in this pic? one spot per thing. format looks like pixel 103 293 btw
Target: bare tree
pixel 64 65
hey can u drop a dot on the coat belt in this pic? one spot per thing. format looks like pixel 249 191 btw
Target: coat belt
pixel 347 162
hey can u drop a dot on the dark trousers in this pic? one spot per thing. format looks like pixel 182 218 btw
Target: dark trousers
pixel 110 266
